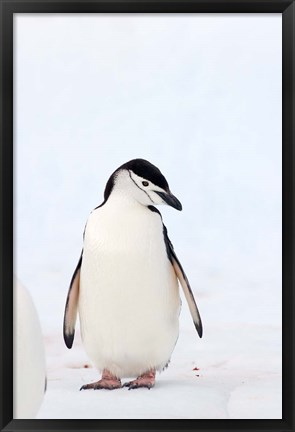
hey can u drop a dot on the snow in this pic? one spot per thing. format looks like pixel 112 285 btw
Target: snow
pixel 238 376
pixel 238 361
pixel 200 97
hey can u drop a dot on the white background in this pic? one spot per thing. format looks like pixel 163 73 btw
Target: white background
pixel 198 95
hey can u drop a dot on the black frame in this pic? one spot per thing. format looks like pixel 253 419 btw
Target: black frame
pixel 7 9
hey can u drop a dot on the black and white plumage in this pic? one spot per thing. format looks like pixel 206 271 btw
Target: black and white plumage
pixel 125 285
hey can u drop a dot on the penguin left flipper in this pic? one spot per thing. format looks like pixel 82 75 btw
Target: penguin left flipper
pixel 181 276
pixel 71 307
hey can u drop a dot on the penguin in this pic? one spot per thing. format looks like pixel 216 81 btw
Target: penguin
pixel 29 356
pixel 125 285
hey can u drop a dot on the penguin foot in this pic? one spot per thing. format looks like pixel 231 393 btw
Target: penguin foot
pixel 103 384
pixel 145 380
pixel 107 382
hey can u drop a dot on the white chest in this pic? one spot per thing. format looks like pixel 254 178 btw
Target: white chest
pixel 135 231
pixel 125 251
pixel 128 289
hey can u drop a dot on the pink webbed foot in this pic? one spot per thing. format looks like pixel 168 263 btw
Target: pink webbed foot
pixel 107 382
pixel 145 380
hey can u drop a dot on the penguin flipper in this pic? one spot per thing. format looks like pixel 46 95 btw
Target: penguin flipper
pixel 71 308
pixel 181 276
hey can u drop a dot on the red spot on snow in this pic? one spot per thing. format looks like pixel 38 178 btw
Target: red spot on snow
pixel 195 368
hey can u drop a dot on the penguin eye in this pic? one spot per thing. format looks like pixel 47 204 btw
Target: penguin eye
pixel 145 183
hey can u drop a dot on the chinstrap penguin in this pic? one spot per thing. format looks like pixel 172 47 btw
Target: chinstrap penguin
pixel 125 286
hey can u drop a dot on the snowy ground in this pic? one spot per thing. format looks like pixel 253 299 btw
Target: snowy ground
pixel 238 363
pixel 228 384
pixel 231 382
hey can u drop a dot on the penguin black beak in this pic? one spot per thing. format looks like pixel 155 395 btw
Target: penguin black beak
pixel 170 200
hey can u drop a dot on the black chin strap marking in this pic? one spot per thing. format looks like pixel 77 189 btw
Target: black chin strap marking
pixel 140 187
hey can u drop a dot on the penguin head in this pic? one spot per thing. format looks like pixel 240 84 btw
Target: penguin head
pixel 142 181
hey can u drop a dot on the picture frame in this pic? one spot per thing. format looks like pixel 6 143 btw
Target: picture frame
pixel 8 9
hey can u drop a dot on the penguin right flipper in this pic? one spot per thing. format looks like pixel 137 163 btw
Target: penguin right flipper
pixel 181 276
pixel 71 308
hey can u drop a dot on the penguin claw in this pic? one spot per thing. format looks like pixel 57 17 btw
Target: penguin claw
pixel 86 387
pixel 140 382
pixel 136 386
pixel 102 384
